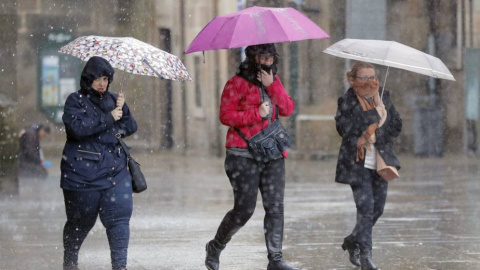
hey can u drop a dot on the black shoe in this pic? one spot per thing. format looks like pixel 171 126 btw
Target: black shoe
pixel 366 260
pixel 353 251
pixel 280 265
pixel 213 249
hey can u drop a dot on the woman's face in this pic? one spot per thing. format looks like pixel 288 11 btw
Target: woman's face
pixel 363 75
pixel 365 83
pixel 265 59
pixel 100 84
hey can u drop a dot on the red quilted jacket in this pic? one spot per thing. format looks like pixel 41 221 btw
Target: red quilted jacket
pixel 239 108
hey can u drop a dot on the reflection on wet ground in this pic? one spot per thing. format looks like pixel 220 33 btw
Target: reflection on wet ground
pixel 431 220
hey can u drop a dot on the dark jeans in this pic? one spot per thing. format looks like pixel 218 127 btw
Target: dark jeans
pixel 248 176
pixel 370 197
pixel 114 205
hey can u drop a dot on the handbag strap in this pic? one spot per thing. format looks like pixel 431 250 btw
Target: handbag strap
pixel 243 135
pixel 124 146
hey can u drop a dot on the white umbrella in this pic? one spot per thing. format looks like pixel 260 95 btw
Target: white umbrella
pixel 390 54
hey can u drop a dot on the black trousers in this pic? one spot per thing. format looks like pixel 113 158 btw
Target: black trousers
pixel 247 177
pixel 370 197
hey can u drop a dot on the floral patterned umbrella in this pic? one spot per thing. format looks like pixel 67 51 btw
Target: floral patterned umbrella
pixel 130 55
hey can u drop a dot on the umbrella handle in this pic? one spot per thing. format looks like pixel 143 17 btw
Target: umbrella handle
pixel 123 78
pixel 384 82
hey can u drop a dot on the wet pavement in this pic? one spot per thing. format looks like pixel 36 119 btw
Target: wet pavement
pixel 431 219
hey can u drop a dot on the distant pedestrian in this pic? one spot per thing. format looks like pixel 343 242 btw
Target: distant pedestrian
pixel 94 175
pixel 31 161
pixel 249 103
pixel 368 126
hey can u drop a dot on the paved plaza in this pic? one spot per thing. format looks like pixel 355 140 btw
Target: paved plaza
pixel 431 220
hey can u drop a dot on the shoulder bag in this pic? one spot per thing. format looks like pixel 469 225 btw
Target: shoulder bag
pixel 139 183
pixel 268 144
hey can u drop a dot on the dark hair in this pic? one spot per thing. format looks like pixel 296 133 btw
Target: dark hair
pixel 253 50
pixel 352 73
pixel 45 127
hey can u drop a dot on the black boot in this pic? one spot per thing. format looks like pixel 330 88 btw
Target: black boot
pixel 366 260
pixel 280 265
pixel 273 227
pixel 70 266
pixel 224 233
pixel 213 249
pixel 353 251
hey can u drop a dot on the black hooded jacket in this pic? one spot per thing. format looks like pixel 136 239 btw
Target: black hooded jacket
pixel 92 157
pixel 351 122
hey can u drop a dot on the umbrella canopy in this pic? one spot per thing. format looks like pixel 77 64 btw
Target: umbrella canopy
pixel 391 54
pixel 255 25
pixel 130 55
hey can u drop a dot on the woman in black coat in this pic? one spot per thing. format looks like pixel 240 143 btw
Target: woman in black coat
pixel 30 157
pixel 368 125
pixel 94 175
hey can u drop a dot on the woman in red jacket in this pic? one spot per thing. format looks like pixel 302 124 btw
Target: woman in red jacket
pixel 250 101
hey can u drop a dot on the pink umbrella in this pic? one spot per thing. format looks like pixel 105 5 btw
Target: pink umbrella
pixel 255 25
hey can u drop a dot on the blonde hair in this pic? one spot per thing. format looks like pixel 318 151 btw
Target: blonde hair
pixel 352 73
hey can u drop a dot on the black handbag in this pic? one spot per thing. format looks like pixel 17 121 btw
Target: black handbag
pixel 139 183
pixel 268 144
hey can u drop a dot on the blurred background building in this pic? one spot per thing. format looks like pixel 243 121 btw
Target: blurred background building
pixel 439 117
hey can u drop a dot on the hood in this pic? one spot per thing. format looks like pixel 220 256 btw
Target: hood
pixel 248 69
pixel 253 50
pixel 96 67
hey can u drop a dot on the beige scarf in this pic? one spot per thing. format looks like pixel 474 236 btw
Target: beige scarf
pixel 369 98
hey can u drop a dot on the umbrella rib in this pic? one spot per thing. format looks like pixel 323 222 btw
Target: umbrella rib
pixel 233 32
pixel 428 60
pixel 285 33
pixel 388 51
pixel 154 71
pixel 221 28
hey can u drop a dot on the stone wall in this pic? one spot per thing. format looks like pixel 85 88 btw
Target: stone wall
pixel 312 77
pixel 8 100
